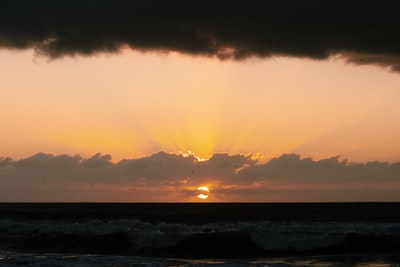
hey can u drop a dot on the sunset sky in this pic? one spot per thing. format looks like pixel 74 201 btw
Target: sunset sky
pixel 257 102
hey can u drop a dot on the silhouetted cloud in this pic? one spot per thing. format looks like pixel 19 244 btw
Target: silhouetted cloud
pixel 362 32
pixel 291 168
pixel 165 177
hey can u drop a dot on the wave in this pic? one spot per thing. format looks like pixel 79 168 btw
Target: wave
pixel 240 239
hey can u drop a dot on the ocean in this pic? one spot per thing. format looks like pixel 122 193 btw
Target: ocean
pixel 200 234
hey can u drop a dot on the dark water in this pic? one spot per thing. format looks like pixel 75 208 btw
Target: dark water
pixel 200 234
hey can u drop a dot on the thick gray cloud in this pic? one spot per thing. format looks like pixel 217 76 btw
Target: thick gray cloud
pixel 362 32
pixel 45 177
pixel 292 169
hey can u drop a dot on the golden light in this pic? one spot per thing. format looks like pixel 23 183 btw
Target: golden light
pixel 203 192
pixel 190 153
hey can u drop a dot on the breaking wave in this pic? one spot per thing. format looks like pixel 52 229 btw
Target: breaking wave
pixel 230 239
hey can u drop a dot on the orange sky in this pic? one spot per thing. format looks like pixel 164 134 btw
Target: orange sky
pixel 132 104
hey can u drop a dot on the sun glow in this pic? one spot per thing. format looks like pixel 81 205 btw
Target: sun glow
pixel 203 192
pixel 190 153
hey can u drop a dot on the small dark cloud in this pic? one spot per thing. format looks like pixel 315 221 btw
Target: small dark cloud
pixel 159 166
pixel 46 177
pixel 97 161
pixel 5 161
pixel 362 32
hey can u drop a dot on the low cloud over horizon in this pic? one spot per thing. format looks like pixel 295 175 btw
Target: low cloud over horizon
pixel 174 177
pixel 357 32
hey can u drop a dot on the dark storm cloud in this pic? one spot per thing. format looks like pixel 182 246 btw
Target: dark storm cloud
pixel 362 32
pixel 288 177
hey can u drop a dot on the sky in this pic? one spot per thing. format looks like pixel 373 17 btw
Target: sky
pixel 150 100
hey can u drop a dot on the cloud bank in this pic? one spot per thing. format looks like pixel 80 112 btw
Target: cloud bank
pixel 361 32
pixel 174 177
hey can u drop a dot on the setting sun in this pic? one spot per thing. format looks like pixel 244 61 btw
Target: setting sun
pixel 203 192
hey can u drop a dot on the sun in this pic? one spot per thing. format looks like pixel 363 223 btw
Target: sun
pixel 203 192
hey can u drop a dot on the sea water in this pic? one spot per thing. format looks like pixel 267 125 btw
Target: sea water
pixel 75 239
pixel 77 260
